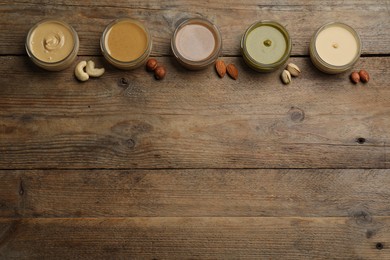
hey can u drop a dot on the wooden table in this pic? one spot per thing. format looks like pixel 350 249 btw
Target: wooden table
pixel 194 166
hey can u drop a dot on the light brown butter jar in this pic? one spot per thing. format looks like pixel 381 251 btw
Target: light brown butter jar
pixel 126 43
pixel 196 43
pixel 52 44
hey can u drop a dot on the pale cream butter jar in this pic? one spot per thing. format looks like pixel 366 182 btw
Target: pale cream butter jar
pixel 335 47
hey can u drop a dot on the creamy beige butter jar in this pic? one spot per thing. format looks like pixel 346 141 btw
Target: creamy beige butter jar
pixel 335 47
pixel 196 43
pixel 126 43
pixel 52 44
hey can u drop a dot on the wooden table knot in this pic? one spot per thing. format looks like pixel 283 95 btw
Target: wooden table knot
pixel 379 246
pixel 21 188
pixel 360 140
pixel 123 82
pixel 130 143
pixel 296 114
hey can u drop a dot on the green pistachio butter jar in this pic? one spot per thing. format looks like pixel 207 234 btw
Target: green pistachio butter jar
pixel 266 46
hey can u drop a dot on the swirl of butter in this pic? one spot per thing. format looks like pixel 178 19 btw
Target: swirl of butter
pixel 53 41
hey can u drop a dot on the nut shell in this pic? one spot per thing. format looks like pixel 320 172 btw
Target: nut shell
pixel 159 72
pixel 355 78
pixel 364 76
pixel 232 71
pixel 293 69
pixel 285 77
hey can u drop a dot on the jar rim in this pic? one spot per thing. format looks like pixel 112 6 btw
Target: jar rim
pixel 330 67
pixel 214 54
pixel 130 62
pixel 71 53
pixel 267 66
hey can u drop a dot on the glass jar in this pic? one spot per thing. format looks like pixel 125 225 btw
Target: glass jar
pixel 196 43
pixel 335 47
pixel 266 46
pixel 126 43
pixel 52 44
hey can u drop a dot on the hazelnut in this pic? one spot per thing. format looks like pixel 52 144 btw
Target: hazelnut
pixel 355 78
pixel 159 72
pixel 151 64
pixel 364 76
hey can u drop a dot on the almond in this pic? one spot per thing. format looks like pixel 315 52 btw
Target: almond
pixel 232 71
pixel 220 67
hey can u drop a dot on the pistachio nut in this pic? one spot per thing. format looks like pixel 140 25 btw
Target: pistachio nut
pixel 286 77
pixel 293 69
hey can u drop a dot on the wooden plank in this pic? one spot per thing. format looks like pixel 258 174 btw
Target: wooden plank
pixel 193 119
pixel 196 238
pixel 198 193
pixel 370 18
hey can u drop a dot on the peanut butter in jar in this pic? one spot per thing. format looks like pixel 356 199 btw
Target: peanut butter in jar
pixel 126 43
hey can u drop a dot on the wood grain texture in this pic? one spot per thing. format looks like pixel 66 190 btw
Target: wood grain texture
pixel 193 119
pixel 195 193
pixel 370 18
pixel 98 170
pixel 196 238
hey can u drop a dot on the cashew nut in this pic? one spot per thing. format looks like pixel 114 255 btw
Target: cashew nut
pixel 92 71
pixel 79 71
